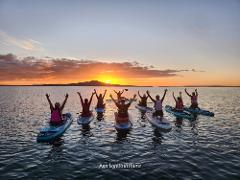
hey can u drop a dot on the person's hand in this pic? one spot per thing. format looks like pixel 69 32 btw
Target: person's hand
pixel 147 91
pixel 134 96
pixel 66 95
pixel 47 95
pixel 105 90
pixel 173 93
pixel 180 92
pixel 165 90
pixel 95 90
pixel 110 95
pixel 185 89
pixel 79 93
pixel 196 90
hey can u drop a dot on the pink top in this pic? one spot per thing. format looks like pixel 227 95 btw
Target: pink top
pixel 179 105
pixel 56 117
pixel 194 100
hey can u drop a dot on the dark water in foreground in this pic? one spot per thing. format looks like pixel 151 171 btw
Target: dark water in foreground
pixel 201 149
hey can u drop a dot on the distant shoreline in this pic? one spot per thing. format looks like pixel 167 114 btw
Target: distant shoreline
pixel 102 84
pixel 1 85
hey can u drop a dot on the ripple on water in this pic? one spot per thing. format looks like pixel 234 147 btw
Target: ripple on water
pixel 207 148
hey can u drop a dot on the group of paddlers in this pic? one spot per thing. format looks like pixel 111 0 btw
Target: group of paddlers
pixel 122 103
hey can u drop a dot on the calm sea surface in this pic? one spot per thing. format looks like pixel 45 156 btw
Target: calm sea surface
pixel 208 148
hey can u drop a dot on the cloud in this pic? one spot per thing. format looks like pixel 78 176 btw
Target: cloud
pixel 194 70
pixel 26 44
pixel 29 68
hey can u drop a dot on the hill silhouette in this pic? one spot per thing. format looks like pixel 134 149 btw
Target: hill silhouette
pixel 87 83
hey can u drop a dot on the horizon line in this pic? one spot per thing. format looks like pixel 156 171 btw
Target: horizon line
pixel 119 85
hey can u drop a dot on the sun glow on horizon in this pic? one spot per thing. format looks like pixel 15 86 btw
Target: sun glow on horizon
pixel 108 81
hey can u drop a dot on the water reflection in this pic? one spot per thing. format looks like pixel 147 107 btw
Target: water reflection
pixel 56 148
pixel 194 125
pixel 178 122
pixel 86 130
pixel 84 147
pixel 157 136
pixel 122 135
pixel 143 115
pixel 100 116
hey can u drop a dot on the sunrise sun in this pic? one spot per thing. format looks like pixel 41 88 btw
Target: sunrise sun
pixel 108 81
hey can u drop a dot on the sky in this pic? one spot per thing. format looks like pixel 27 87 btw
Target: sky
pixel 139 42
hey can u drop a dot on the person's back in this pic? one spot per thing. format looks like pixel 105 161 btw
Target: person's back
pixel 123 110
pixel 158 108
pixel 158 105
pixel 194 100
pixel 85 105
pixel 100 103
pixel 119 96
pixel 143 101
pixel 56 117
pixel 179 105
pixel 100 99
pixel 85 109
pixel 56 111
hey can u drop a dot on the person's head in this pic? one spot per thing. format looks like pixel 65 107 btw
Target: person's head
pixel 122 101
pixel 57 105
pixel 179 99
pixel 144 95
pixel 193 93
pixel 86 101
pixel 100 95
pixel 157 97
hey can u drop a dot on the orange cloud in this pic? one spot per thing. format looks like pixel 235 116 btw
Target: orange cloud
pixel 29 70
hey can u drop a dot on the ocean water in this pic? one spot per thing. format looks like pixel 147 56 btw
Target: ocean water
pixel 207 148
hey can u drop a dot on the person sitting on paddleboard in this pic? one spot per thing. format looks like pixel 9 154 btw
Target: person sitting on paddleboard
pixel 86 105
pixel 194 99
pixel 123 106
pixel 143 101
pixel 100 98
pixel 179 103
pixel 119 94
pixel 56 111
pixel 158 104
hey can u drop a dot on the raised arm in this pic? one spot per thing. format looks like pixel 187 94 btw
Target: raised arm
pixel 139 94
pixel 104 94
pixel 153 100
pixel 187 92
pixel 165 92
pixel 174 97
pixel 113 99
pixel 132 99
pixel 90 101
pixel 64 102
pixel 81 100
pixel 49 101
pixel 196 92
pixel 115 91
pixel 96 93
